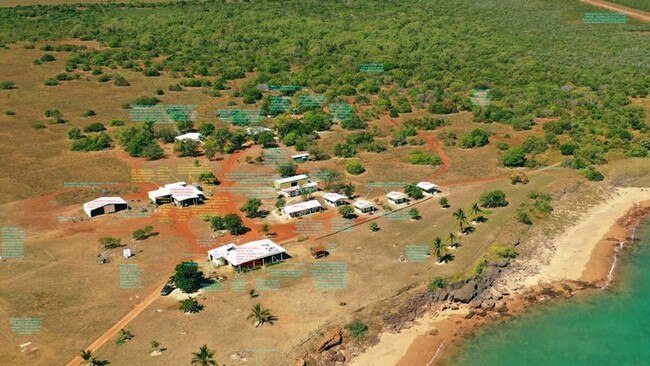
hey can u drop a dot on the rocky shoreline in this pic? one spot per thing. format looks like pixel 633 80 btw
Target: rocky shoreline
pixel 462 307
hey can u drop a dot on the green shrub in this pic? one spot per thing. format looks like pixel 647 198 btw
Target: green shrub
pixel 95 127
pixel 354 167
pixel 184 148
pixel 74 133
pixel 424 158
pixel 523 217
pixel 514 157
pixel 152 151
pixel 116 123
pixel 493 199
pixel 51 82
pixel 104 78
pixel 191 305
pixel 47 58
pixel 6 85
pixel 437 283
pixel 414 191
pixel 358 329
pixel 88 113
pixel 10 113
pixel 593 175
pixel 120 81
pixel 38 126
pixel 145 101
pixel 97 142
pixel 503 251
pixel 374 226
pixel 476 138
pixel 108 242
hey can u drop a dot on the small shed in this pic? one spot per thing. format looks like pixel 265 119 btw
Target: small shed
pixel 364 207
pixel 318 251
pixel 299 158
pixel 105 205
pixel 428 187
pixel 127 253
pixel 397 198
pixel 334 199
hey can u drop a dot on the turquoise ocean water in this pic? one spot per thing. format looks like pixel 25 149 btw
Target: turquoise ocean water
pixel 611 327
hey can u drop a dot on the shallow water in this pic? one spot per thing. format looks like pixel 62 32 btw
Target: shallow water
pixel 611 327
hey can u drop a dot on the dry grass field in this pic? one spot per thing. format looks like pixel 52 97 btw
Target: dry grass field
pixel 77 299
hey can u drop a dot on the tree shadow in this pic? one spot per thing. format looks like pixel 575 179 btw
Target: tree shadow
pixel 262 214
pixel 481 219
pixel 447 258
pixel 469 230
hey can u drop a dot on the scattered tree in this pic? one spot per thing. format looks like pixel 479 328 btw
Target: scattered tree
pixel 444 202
pixel 191 305
pixel 492 199
pixel 187 277
pixel 354 167
pixel 414 213
pixel 204 357
pixel 251 207
pixel 346 211
pixel 260 316
pixel 287 169
pixel 461 219
pixel 109 242
pixel 374 226
pixel 439 249
pixel 186 148
pixel 124 337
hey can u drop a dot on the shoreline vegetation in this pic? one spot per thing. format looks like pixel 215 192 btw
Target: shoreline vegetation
pixel 574 262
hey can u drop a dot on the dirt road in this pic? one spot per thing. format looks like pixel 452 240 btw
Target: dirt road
pixel 634 13
pixel 120 324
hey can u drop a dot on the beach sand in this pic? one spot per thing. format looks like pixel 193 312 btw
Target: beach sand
pixel 583 252
pixel 574 248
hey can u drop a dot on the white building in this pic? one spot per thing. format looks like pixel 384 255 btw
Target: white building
pixel 194 136
pixel 428 187
pixel 397 198
pixel 105 205
pixel 364 207
pixel 250 255
pixel 334 199
pixel 179 193
pixel 302 208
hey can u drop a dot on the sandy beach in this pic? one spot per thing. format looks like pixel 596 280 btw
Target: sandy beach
pixel 583 252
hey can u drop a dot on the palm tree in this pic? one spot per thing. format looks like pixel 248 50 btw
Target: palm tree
pixel 86 355
pixel 461 218
pixel 439 248
pixel 476 210
pixel 451 238
pixel 204 357
pixel 260 315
